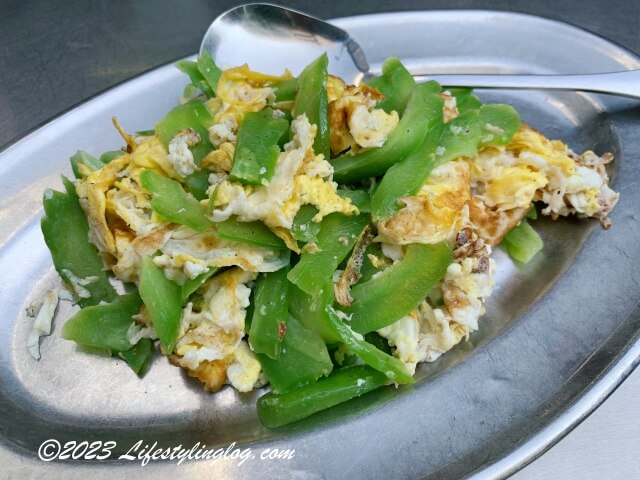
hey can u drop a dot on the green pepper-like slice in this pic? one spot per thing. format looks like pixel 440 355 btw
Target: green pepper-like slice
pixel 303 359
pixel 399 289
pixel 256 152
pixel 66 232
pixel 312 99
pixel 424 109
pixel 171 202
pixel 163 299
pixel 270 313
pixel 337 236
pixel 276 410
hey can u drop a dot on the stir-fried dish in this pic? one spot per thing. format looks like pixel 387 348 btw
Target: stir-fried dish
pixel 319 237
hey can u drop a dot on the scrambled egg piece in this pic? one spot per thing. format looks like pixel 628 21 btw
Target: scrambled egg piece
pixel 493 225
pixel 130 249
pixel 180 156
pixel 244 371
pixel 220 160
pixel 240 90
pixel 531 167
pixel 213 329
pixel 430 216
pixel 297 181
pixel 42 323
pixel 113 194
pixel 450 108
pixel 210 341
pixel 186 254
pixel 353 119
pixel 428 332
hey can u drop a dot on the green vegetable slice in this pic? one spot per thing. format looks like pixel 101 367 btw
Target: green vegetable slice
pixel 372 356
pixel 523 242
pixel 312 99
pixel 193 284
pixel 276 410
pixel 303 359
pixel 209 71
pixel 163 299
pixel 423 110
pixel 257 150
pixel 254 233
pixel 286 90
pixel 269 320
pixel 139 356
pixel 89 161
pixel 399 289
pixel 172 203
pixel 396 83
pixel 194 115
pixel 104 326
pixel 337 236
pixel 106 157
pixel 304 229
pixel 66 233
pixel 491 125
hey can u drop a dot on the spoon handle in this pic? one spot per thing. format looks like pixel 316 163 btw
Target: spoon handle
pixel 626 84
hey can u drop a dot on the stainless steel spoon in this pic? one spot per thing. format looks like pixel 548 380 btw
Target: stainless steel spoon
pixel 271 38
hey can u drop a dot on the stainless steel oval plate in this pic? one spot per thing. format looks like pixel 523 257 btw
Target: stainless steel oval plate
pixel 558 335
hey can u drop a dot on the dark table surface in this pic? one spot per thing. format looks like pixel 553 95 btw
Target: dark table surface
pixel 54 54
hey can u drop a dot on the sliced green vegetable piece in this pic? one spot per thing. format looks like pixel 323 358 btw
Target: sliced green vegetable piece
pixel 104 326
pixel 399 289
pixel 145 133
pixel 461 137
pixel 312 311
pixel 193 284
pixel 461 94
pixel 89 161
pixel 304 229
pixel 498 124
pixel 276 410
pixel 338 233
pixel 392 367
pixel 378 341
pixel 171 202
pixel 359 197
pixel 198 184
pixel 256 152
pixel 138 356
pixel 303 359
pixel 194 115
pixel 106 157
pixel 196 77
pixel 424 109
pixel 523 242
pixel 286 90
pixel 396 83
pixel 368 269
pixel 270 313
pixel 209 71
pixel 472 103
pixel 66 233
pixel 163 299
pixel 407 177
pixel 312 99
pixel 254 233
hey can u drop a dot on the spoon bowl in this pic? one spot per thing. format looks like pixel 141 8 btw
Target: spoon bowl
pixel 271 38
